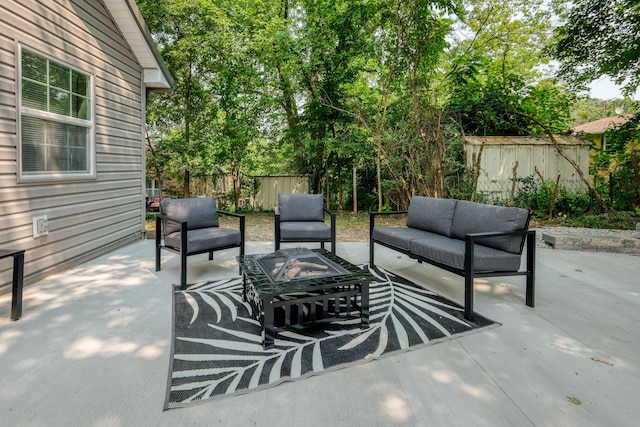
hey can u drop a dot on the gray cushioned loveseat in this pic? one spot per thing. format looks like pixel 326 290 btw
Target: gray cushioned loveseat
pixel 466 238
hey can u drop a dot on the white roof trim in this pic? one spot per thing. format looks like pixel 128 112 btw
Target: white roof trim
pixel 127 17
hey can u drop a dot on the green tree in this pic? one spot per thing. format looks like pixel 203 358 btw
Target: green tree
pixel 385 88
pixel 235 118
pixel 418 152
pixel 183 30
pixel 621 157
pixel 598 38
pixel 331 31
pixel 393 83
pixel 586 110
pixel 497 70
pixel 498 81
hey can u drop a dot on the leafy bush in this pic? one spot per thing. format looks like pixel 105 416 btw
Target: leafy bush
pixel 618 221
pixel 573 203
pixel 547 201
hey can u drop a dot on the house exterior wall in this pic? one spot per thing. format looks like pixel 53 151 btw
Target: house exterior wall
pixel 500 154
pixel 86 216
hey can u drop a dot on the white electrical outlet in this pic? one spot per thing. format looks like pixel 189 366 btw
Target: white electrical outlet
pixel 40 226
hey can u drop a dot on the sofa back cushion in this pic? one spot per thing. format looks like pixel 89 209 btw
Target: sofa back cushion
pixel 431 214
pixel 473 217
pixel 199 213
pixel 300 207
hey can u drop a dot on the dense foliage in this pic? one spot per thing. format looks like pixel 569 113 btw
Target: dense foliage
pixel 599 37
pixel 369 98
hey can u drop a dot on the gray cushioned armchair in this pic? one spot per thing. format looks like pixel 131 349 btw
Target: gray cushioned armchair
pixel 300 218
pixel 190 227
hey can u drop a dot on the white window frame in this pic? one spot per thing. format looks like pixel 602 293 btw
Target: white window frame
pixel 89 123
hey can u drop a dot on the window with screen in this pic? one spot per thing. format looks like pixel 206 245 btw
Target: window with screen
pixel 56 126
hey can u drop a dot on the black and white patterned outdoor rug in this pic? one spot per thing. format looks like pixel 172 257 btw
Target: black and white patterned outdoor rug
pixel 217 348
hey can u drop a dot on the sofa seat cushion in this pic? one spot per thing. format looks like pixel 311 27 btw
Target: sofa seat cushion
pixel 471 217
pixel 205 239
pixel 451 252
pixel 302 230
pixel 431 214
pixel 400 237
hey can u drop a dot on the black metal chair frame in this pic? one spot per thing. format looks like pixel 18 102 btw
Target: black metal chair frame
pixel 332 240
pixel 183 243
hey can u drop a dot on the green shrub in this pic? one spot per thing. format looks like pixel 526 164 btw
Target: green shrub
pixel 573 203
pixel 548 202
pixel 618 220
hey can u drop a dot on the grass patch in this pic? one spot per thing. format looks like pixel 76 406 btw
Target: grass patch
pixel 355 228
pixel 260 225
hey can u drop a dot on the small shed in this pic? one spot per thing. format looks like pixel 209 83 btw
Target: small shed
pixel 535 156
pixel 268 187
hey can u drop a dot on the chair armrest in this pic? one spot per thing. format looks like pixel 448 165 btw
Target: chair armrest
pixel 331 214
pixel 373 215
pixel 490 234
pixel 160 218
pixel 388 213
pixel 237 215
pixel 531 238
pixel 240 217
pixel 158 229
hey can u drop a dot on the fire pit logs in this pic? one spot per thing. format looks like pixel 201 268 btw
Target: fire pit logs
pixel 297 268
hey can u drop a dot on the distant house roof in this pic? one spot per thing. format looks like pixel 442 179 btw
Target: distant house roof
pixel 602 125
pixel 127 16
pixel 524 140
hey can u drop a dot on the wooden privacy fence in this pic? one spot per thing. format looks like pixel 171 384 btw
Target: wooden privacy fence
pixel 268 187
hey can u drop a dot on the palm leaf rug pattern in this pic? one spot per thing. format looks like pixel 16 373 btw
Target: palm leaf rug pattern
pixel 217 349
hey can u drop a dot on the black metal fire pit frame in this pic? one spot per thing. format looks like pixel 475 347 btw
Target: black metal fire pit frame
pixel 305 302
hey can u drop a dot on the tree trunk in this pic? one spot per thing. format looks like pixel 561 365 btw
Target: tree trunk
pixel 514 181
pixel 340 190
pixel 635 164
pixel 237 187
pixel 187 134
pixel 288 97
pixel 475 171
pixel 355 191
pixel 158 172
pixel 378 173
pixel 186 181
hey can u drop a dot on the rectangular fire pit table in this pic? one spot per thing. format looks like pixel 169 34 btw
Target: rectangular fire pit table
pixel 300 288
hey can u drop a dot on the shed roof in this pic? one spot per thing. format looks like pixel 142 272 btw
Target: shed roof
pixel 602 125
pixel 524 140
pixel 127 17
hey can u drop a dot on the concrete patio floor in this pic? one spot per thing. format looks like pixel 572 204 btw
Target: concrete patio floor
pixel 92 349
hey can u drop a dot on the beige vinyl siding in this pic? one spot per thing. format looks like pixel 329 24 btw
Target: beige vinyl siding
pixel 86 215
